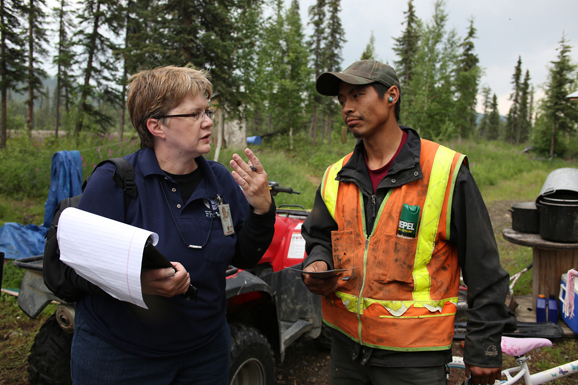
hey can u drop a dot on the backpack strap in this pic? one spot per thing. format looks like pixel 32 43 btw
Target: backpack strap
pixel 124 177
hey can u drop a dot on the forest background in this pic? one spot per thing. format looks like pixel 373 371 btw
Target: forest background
pixel 263 66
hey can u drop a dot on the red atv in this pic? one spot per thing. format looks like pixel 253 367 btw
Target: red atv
pixel 269 307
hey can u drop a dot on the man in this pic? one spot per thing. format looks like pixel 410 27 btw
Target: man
pixel 402 215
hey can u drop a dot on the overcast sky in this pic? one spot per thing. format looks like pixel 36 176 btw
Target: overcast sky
pixel 506 29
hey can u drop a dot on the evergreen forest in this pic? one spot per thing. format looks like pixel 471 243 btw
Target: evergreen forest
pixel 263 60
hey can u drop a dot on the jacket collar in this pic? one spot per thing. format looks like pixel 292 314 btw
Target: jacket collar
pixel 404 169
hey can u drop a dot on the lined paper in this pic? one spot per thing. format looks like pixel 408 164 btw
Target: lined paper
pixel 105 252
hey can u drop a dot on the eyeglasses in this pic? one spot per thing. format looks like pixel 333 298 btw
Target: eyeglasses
pixel 198 116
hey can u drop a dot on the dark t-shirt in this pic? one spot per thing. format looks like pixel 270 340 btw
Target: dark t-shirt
pixel 377 175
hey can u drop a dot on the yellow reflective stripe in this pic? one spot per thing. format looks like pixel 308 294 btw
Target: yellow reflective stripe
pixel 349 301
pixel 329 186
pixel 356 304
pixel 429 222
pixel 451 197
pixel 419 316
pixel 396 305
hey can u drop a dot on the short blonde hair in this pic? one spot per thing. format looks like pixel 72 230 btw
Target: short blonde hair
pixel 153 93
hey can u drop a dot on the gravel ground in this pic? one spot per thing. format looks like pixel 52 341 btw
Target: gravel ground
pixel 305 363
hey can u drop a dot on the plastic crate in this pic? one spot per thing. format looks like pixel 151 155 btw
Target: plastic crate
pixel 571 322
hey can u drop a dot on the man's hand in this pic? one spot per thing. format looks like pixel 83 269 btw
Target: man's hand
pixel 483 376
pixel 316 285
pixel 165 282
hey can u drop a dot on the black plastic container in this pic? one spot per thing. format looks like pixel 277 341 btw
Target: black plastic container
pixel 525 217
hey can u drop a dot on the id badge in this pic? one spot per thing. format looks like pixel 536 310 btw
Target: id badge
pixel 226 220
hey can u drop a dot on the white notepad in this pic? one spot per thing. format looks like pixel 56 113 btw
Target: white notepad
pixel 105 252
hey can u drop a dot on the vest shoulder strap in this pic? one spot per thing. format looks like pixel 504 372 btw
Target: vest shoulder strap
pixel 329 185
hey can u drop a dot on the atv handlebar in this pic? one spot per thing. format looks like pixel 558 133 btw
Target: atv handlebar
pixel 275 188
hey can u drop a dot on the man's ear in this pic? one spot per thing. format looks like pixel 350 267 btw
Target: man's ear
pixel 394 93
pixel 156 128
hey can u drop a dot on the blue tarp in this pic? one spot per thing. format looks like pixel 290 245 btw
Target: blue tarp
pixel 65 181
pixel 20 241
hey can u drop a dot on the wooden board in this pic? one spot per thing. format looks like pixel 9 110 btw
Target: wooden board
pixel 549 265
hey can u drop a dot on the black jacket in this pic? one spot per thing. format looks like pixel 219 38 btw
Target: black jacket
pixel 470 232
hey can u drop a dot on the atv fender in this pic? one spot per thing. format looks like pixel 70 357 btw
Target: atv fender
pixel 34 296
pixel 244 282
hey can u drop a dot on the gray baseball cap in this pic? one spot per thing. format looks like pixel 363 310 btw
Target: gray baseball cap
pixel 359 73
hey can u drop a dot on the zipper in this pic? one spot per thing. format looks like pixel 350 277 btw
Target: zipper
pixel 360 296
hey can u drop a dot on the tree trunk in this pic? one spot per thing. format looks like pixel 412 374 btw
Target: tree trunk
pixel 59 68
pixel 57 104
pixel 3 74
pixel 330 127
pixel 124 75
pixel 314 124
pixel 88 73
pixel 30 115
pixel 553 141
pixel 220 132
pixel 122 105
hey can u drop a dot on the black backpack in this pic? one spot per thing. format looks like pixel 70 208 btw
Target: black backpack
pixel 60 278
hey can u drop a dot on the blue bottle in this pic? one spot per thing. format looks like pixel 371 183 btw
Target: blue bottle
pixel 541 308
pixel 552 309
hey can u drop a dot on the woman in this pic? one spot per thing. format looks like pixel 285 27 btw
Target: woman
pixel 205 222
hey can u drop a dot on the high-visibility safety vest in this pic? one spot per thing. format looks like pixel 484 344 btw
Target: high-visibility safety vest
pixel 402 293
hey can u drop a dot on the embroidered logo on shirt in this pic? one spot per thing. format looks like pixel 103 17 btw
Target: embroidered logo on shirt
pixel 491 351
pixel 212 206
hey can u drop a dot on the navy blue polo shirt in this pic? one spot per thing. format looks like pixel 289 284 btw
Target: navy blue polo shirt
pixel 171 325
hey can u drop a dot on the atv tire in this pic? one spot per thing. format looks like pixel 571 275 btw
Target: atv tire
pixel 49 360
pixel 252 361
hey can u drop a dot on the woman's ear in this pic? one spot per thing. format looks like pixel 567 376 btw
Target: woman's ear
pixel 156 128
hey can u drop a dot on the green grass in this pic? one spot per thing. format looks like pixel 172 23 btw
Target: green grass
pixel 503 174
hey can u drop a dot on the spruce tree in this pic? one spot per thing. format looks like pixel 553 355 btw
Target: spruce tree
pixel 430 100
pixel 487 101
pixel 467 81
pixel 369 53
pixel 96 17
pixel 561 113
pixel 407 45
pixel 494 120
pixel 298 79
pixel 64 60
pixel 513 121
pixel 523 127
pixel 36 51
pixel 284 73
pixel 12 57
pixel 335 38
pixel 317 20
pixel 203 34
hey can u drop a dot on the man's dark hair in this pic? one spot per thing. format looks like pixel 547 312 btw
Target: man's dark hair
pixel 381 90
